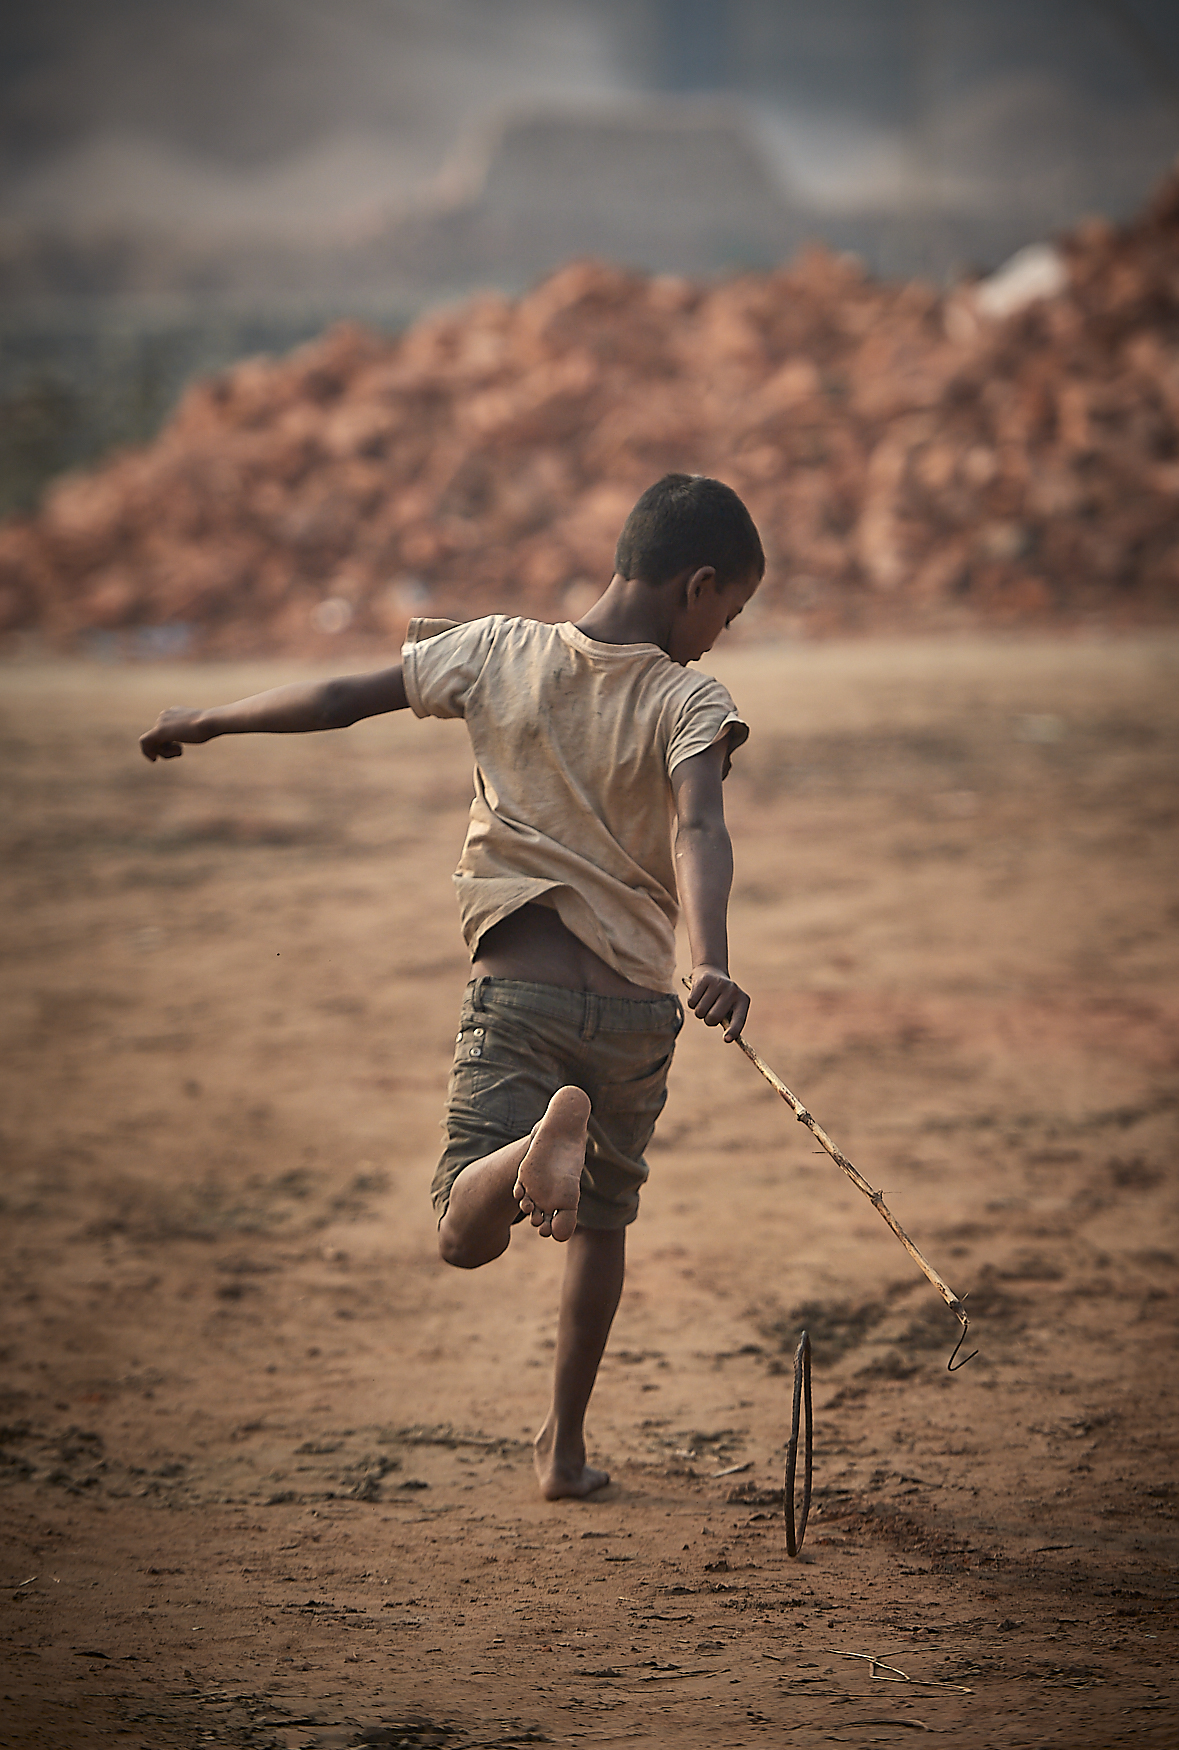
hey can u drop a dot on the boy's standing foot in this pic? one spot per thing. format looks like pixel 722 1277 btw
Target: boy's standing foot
pixel 565 1477
pixel 548 1187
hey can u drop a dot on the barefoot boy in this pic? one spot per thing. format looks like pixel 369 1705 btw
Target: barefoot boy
pixel 599 761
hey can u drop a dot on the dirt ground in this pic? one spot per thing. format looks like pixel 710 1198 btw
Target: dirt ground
pixel 267 1469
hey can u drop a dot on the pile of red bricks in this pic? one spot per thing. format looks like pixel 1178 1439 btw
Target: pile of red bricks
pixel 909 461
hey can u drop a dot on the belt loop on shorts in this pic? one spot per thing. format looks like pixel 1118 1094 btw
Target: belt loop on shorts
pixel 477 994
pixel 591 1014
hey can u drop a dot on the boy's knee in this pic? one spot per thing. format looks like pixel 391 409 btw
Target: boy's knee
pixel 465 1251
pixel 452 1249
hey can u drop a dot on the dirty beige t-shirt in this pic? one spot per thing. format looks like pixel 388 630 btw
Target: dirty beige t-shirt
pixel 574 745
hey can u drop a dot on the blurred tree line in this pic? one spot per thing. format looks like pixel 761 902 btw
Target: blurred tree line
pixel 77 383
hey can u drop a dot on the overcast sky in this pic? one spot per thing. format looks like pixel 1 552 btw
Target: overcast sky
pixel 318 116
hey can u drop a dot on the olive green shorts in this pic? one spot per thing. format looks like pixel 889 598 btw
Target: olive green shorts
pixel 518 1043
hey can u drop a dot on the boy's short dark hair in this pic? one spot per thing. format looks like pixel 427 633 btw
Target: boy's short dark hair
pixel 683 522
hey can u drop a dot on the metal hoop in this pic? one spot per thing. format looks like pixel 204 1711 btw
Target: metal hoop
pixel 802 1396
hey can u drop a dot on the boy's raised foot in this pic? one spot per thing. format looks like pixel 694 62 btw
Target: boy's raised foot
pixel 564 1475
pixel 548 1185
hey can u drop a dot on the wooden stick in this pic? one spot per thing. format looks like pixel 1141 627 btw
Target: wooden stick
pixel 875 1198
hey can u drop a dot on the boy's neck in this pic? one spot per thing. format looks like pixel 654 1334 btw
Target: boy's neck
pixel 630 612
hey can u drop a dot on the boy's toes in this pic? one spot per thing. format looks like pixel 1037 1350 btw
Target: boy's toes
pixel 563 1224
pixel 557 1224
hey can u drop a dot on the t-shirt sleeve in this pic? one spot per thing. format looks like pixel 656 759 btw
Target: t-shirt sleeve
pixel 707 715
pixel 441 661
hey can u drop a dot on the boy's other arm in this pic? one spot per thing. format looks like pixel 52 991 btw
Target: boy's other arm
pixel 292 710
pixel 704 875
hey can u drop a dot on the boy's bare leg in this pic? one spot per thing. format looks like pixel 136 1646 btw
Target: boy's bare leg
pixel 478 1221
pixel 594 1270
pixel 539 1174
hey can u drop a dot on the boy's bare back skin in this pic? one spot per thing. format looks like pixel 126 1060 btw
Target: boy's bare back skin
pixel 539 1175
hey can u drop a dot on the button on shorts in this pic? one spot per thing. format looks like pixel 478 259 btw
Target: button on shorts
pixel 518 1043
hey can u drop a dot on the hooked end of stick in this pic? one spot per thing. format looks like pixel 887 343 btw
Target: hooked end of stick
pixel 953 1365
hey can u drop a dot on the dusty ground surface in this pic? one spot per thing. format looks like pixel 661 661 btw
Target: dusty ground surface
pixel 268 1480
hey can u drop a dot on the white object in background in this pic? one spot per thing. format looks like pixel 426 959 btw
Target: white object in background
pixel 1039 271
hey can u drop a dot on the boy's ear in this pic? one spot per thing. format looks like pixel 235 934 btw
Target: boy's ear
pixel 698 582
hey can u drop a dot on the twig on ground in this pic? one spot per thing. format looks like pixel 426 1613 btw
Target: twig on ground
pixel 914 1725
pixel 874 1665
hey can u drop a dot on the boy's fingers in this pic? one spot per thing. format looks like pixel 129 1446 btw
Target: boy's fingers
pixel 725 1005
pixel 719 1002
pixel 703 997
pixel 717 1008
pixel 152 749
pixel 176 718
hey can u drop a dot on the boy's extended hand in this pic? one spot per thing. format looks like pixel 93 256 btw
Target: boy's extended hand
pixel 718 1000
pixel 290 710
pixel 178 724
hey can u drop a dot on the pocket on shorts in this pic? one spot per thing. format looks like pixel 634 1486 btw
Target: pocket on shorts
pixel 650 1071
pixel 628 1106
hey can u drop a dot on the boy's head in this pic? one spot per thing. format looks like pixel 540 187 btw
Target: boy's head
pixel 684 522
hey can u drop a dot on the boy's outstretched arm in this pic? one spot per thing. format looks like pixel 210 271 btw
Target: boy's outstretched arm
pixel 289 710
pixel 704 875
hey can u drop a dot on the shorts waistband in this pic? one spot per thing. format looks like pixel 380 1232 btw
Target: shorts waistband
pixel 583 1009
